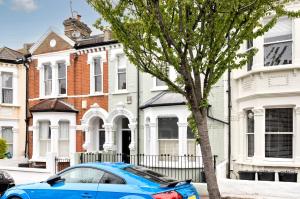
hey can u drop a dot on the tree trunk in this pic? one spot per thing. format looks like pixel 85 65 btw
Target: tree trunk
pixel 207 157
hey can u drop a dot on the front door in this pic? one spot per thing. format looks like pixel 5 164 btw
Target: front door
pixel 126 140
pixel 101 139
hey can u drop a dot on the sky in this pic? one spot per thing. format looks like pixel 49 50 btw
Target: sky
pixel 25 21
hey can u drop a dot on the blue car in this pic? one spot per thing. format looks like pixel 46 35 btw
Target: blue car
pixel 105 181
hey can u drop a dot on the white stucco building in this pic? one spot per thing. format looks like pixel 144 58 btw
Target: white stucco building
pixel 266 102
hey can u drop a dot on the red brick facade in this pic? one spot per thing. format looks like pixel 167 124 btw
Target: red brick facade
pixel 78 90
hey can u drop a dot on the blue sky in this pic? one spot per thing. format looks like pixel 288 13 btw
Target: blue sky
pixel 25 21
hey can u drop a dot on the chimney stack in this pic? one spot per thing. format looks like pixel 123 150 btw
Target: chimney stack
pixel 76 29
pixel 107 34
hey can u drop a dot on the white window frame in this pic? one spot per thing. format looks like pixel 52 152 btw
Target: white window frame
pixel 63 140
pixel 58 78
pixel 249 133
pixel 94 75
pixel 48 141
pixel 44 79
pixel 282 41
pixel 117 73
pixel 7 88
pixel 282 133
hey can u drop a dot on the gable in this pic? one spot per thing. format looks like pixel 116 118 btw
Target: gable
pixel 51 43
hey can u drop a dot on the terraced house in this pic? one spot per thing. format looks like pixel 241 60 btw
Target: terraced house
pixel 12 102
pixel 85 95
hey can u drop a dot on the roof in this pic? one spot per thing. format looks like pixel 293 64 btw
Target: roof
pixel 53 105
pixel 92 41
pixel 9 55
pixel 165 98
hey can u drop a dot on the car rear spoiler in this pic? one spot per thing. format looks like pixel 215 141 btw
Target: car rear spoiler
pixel 174 184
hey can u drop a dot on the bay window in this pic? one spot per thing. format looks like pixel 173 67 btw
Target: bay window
pixel 44 137
pixel 250 133
pixel 47 80
pixel 278 43
pixel 7 87
pixel 97 75
pixel 168 135
pixel 121 76
pixel 62 89
pixel 279 133
pixel 7 135
pixel 63 139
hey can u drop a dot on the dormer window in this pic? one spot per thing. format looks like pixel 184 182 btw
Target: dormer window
pixel 47 79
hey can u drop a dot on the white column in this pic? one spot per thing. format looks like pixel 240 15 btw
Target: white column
pixel 182 138
pixel 297 135
pixel 87 143
pixel 15 143
pixel 153 139
pixel 108 145
pixel 296 41
pixel 132 145
pixel 54 139
pixel 35 142
pixel 259 134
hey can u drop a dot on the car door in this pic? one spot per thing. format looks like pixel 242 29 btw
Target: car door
pixel 77 183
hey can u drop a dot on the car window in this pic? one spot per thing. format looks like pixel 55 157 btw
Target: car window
pixel 149 174
pixel 111 179
pixel 82 175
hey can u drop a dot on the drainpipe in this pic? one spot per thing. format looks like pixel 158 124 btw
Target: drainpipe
pixel 229 124
pixel 25 61
pixel 138 117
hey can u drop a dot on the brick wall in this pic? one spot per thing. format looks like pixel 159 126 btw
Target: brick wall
pixel 78 84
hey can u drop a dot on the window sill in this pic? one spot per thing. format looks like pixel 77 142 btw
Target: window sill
pixel 263 69
pixel 96 94
pixel 9 105
pixel 120 92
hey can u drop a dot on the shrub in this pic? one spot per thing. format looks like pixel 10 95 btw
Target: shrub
pixel 3 148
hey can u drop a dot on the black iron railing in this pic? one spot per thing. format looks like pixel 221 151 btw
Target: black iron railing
pixel 178 167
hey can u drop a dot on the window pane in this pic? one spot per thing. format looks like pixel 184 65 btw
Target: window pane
pixel 250 121
pixel 250 140
pixel 44 130
pixel 82 175
pixel 7 80
pixel 250 64
pixel 278 53
pixel 47 72
pixel 108 178
pixel 101 123
pixel 121 79
pixel 279 146
pixel 7 96
pixel 97 67
pixel 167 128
pixel 283 28
pixel 62 86
pixel 64 130
pixel 169 147
pixel 61 71
pixel 7 135
pixel 279 120
pixel 121 61
pixel 190 134
pixel 98 83
pixel 159 82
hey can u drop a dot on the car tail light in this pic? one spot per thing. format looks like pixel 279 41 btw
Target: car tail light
pixel 168 195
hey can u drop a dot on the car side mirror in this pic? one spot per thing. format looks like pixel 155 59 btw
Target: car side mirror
pixel 53 179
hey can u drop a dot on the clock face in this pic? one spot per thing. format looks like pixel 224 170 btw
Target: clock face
pixel 52 43
pixel 76 34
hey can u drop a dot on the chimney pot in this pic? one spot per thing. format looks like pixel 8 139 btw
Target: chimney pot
pixel 78 17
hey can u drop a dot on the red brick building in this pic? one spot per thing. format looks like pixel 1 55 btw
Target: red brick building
pixel 68 88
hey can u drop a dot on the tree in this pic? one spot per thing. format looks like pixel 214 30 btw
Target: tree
pixel 3 147
pixel 200 39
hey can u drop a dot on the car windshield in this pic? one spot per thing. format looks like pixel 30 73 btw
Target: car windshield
pixel 149 174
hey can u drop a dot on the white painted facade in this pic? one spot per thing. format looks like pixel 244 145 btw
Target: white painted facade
pixel 262 88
